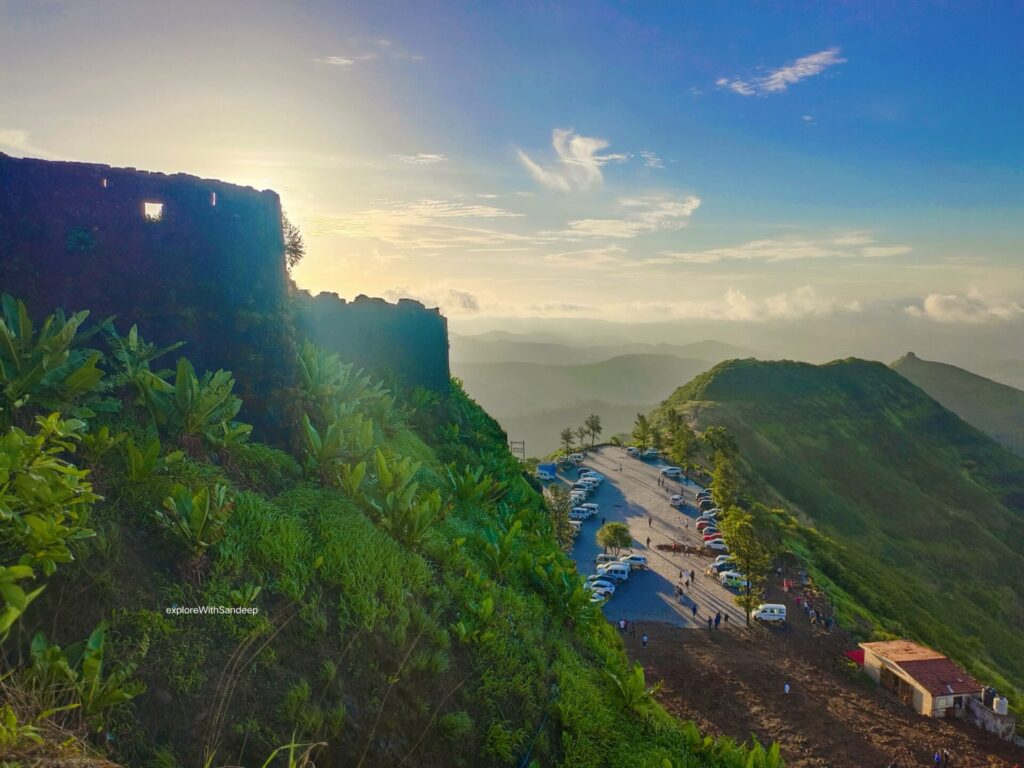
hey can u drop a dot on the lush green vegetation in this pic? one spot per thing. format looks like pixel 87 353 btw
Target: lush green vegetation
pixel 394 593
pixel 917 517
pixel 995 409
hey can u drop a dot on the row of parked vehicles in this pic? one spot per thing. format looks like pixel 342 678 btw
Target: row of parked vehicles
pixel 611 572
pixel 639 453
pixel 588 482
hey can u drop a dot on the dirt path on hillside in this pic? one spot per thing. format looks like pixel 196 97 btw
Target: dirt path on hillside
pixel 731 682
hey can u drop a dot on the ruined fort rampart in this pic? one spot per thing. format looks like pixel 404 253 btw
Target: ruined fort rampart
pixel 196 260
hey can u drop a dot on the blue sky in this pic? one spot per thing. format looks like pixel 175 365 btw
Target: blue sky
pixel 732 162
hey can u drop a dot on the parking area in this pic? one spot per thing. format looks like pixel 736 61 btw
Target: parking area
pixel 631 494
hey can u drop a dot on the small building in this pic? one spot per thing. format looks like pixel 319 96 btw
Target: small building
pixel 925 680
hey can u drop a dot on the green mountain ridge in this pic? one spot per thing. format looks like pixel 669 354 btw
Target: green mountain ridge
pixel 918 517
pixel 996 409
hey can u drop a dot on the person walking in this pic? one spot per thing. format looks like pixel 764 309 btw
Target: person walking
pixel 650 521
pixel 694 609
pixel 693 575
pixel 718 619
pixel 644 639
pixel 938 758
pixel 633 629
pixel 648 542
pixel 785 689
pixel 710 622
pixel 725 618
pixel 622 626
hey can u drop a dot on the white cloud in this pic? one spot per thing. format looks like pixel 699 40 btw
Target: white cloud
pixel 974 307
pixel 449 300
pixel 578 164
pixel 593 258
pixel 779 80
pixel 422 225
pixel 639 216
pixel 849 245
pixel 423 158
pixel 366 50
pixel 732 306
pixel 20 144
pixel 651 160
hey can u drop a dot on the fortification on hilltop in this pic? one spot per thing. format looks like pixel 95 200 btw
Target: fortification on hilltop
pixel 196 260
pixel 404 342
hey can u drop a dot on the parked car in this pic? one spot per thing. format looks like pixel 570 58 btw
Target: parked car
pixel 605 558
pixel 576 525
pixel 702 524
pixel 771 612
pixel 718 544
pixel 596 578
pixel 734 580
pixel 618 571
pixel 676 501
pixel 634 561
pixel 591 507
pixel 724 559
pixel 713 535
pixel 631 451
pixel 591 482
pixel 651 453
pixel 582 488
pixel 602 592
pixel 705 505
pixel 578 514
pixel 720 568
pixel 576 458
pixel 671 471
pixel 594 598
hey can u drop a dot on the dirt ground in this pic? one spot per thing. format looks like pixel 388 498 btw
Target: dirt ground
pixel 731 682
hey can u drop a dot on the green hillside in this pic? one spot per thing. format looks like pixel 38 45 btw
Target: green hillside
pixel 995 409
pixel 513 388
pixel 389 591
pixel 918 517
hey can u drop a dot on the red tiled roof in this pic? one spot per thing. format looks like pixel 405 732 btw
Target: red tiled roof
pixel 940 677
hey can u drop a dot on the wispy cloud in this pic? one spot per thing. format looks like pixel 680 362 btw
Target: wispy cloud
pixel 848 245
pixel 733 305
pixel 578 164
pixel 973 308
pixel 779 80
pixel 651 160
pixel 449 300
pixel 18 142
pixel 638 216
pixel 423 158
pixel 359 50
pixel 423 225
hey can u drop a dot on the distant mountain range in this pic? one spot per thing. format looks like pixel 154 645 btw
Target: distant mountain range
pixel 495 347
pixel 918 516
pixel 1009 372
pixel 534 402
pixel 996 409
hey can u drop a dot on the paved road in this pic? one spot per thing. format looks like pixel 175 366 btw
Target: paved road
pixel 634 497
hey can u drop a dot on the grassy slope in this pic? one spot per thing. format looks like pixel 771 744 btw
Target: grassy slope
pixel 510 389
pixel 356 643
pixel 924 512
pixel 995 409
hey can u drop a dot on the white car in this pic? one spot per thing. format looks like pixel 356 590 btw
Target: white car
pixel 724 559
pixel 597 580
pixel 594 598
pixel 594 474
pixel 676 500
pixel 618 571
pixel 590 482
pixel 631 451
pixel 577 527
pixel 578 513
pixel 605 558
pixel 591 507
pixel 576 457
pixel 671 471
pixel 717 544
pixel 634 561
pixel 770 612
pixel 602 591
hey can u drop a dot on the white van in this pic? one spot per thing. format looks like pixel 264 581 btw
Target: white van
pixel 618 571
pixel 544 476
pixel 576 457
pixel 605 558
pixel 577 527
pixel 631 451
pixel 770 612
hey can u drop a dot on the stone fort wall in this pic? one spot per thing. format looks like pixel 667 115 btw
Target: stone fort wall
pixel 196 260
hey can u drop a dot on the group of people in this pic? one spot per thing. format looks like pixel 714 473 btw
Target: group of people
pixel 815 616
pixel 629 627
